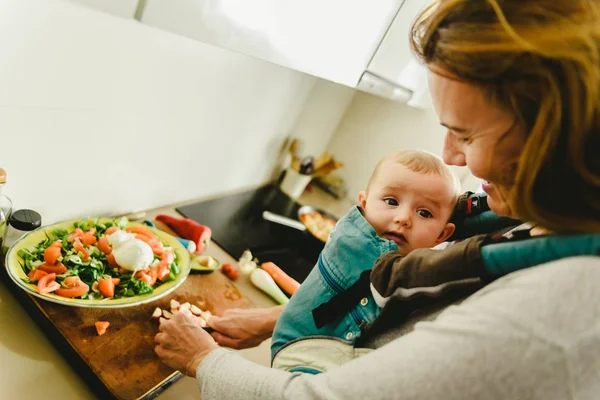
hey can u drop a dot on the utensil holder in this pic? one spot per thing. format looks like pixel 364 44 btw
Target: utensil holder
pixel 294 183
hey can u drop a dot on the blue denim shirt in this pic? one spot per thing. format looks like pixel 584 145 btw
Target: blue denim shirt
pixel 352 248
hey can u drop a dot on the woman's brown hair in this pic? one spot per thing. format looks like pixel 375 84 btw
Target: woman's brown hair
pixel 539 59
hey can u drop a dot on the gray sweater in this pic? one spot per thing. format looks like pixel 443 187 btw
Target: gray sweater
pixel 534 334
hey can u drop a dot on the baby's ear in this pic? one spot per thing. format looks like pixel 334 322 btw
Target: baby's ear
pixel 362 199
pixel 446 233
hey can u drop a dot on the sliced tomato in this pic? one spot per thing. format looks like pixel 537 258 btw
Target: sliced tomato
pixel 106 287
pixel 58 268
pixel 57 243
pixel 79 248
pixel 104 246
pixel 111 230
pixel 51 254
pixel 74 287
pixel 36 274
pixel 101 327
pixel 47 284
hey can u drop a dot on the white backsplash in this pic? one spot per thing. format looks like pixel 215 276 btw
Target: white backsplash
pixel 103 115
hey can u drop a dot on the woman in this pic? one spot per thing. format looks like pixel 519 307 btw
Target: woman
pixel 517 85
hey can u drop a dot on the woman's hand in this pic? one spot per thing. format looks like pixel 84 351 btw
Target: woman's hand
pixel 182 344
pixel 244 328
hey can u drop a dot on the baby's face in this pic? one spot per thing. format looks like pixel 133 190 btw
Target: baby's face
pixel 408 207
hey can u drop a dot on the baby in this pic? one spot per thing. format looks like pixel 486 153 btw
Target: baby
pixel 407 205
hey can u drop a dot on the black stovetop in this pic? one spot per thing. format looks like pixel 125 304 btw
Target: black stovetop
pixel 237 224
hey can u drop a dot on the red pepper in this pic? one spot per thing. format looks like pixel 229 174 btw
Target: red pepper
pixel 188 229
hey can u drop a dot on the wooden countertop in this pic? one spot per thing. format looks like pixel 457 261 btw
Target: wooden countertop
pixel 37 370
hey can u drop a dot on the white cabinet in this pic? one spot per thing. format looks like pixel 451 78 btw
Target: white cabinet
pixel 394 65
pixel 122 8
pixel 331 39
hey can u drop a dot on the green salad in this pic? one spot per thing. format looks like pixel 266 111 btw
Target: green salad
pixel 80 262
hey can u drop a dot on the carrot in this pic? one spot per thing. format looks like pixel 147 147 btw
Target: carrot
pixel 51 254
pixel 116 281
pixel 106 287
pixel 47 284
pixel 36 274
pixel 104 246
pixel 79 248
pixel 101 327
pixel 283 280
pixel 111 230
pixel 75 287
pixel 57 268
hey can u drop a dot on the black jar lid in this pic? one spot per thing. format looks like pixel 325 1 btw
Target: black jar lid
pixel 25 220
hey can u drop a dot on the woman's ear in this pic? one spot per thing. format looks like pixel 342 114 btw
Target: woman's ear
pixel 446 233
pixel 362 199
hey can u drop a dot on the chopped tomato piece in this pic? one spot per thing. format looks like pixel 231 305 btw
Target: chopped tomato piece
pixel 51 254
pixel 106 287
pixel 79 248
pixel 168 257
pixel 89 237
pixel 47 284
pixel 162 271
pixel 147 276
pixel 78 234
pixel 157 246
pixel 101 327
pixel 36 274
pixel 57 268
pixel 111 230
pixel 104 246
pixel 75 287
pixel 111 261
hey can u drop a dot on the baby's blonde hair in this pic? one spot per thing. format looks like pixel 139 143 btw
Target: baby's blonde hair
pixel 422 162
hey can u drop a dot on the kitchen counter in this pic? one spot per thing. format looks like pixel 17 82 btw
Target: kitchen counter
pixel 34 369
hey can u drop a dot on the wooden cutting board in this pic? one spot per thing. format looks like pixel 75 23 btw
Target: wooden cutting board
pixel 121 363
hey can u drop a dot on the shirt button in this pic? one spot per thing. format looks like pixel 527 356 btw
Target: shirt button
pixel 349 335
pixel 364 301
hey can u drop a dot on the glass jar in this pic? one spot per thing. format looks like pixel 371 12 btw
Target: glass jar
pixel 19 223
